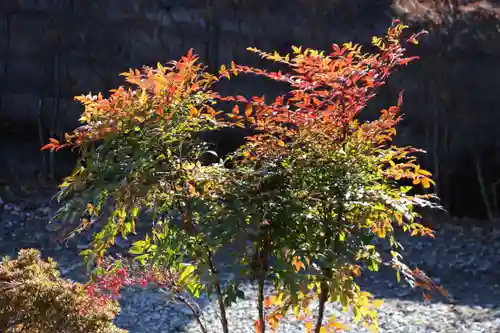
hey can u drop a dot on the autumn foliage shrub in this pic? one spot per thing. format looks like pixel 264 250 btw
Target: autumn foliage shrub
pixel 35 299
pixel 307 194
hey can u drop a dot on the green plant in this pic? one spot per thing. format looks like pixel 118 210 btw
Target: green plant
pixel 35 299
pixel 141 151
pixel 318 185
pixel 307 194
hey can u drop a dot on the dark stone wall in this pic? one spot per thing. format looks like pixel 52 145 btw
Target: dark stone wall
pixel 52 50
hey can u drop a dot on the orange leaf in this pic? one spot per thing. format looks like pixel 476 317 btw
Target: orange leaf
pixel 236 110
pixel 337 326
pixel 258 328
pixel 309 326
pixel 356 270
pixel 298 264
pixel 194 112
pixel 443 291
pixel 248 110
pixel 258 99
pixel 267 302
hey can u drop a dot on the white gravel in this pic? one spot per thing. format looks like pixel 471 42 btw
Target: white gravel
pixel 147 312
pixel 466 262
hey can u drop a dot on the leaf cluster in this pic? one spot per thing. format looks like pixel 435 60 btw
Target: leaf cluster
pixel 35 299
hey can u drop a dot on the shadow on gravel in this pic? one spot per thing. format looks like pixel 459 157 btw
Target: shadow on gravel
pixel 465 261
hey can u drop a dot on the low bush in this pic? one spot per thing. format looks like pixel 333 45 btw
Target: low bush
pixel 305 196
pixel 35 299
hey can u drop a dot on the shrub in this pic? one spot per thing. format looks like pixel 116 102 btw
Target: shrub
pixel 307 194
pixel 35 299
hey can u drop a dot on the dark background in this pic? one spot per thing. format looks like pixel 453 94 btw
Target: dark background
pixel 52 50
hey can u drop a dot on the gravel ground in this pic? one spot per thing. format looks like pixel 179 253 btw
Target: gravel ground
pixel 466 260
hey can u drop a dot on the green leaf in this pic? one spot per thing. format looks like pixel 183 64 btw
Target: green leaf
pixel 85 253
pixel 142 258
pixel 372 265
pixel 187 270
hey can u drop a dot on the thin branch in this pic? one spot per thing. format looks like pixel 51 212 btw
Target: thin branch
pixel 482 186
pixel 218 292
pixel 263 266
pixel 195 312
pixel 326 272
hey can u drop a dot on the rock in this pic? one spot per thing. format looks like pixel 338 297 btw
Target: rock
pixel 46 211
pixel 7 194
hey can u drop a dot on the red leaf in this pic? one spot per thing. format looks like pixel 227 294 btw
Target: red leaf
pixel 240 98
pixel 257 99
pixel 49 146
pixel 278 101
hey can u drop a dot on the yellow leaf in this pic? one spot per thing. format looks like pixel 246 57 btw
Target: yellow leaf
pixel 308 327
pixel 278 300
pixel 425 182
pixel 377 303
pixel 90 208
pixel 143 98
pixel 296 49
pixel 424 172
pixel 85 118
pixel 160 67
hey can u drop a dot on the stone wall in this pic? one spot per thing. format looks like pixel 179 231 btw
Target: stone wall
pixel 51 50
